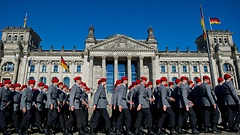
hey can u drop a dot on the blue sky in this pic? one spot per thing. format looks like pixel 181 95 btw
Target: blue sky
pixel 176 23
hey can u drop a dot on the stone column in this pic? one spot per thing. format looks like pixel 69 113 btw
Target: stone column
pixel 91 72
pixel 26 70
pixel 103 66
pixel 201 69
pixel 190 70
pixel 115 68
pixel 37 70
pixel 129 69
pixel 60 71
pixel 179 69
pixel 168 70
pixel 16 68
pixel 220 68
pixel 157 68
pixel 141 65
pixel 72 70
pixel 153 70
pixel 49 70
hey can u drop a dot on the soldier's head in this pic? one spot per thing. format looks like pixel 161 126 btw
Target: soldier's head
pixel 184 79
pixel 118 82
pixel 144 79
pixel 1 85
pixel 83 85
pixel 227 77
pixel 124 80
pixel 220 80
pixel 163 80
pixel 40 85
pixel 65 88
pixel 150 85
pixel 60 85
pixel 134 84
pixel 198 81
pixel 190 83
pixel 158 82
pixel 78 80
pixel 17 87
pixel 171 85
pixel 206 79
pixel 138 82
pixel 12 86
pixel 103 81
pixel 31 83
pixel 55 81
pixel 178 82
pixel 45 88
pixel 7 83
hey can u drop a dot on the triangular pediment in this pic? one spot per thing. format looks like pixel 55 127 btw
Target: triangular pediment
pixel 121 43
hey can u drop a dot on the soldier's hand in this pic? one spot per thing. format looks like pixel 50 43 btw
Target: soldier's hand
pixel 114 107
pixel 109 106
pixel 63 103
pixel 131 107
pixel 8 103
pixel 187 108
pixel 215 106
pixel 120 108
pixel 58 103
pixel 164 108
pixel 191 103
pixel 72 108
pixel 172 99
pixel 58 110
pixel 51 106
pixel 24 110
pixel 151 99
pixel 35 105
pixel 139 107
pixel 94 107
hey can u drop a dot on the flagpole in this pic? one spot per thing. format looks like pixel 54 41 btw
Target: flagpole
pixel 210 23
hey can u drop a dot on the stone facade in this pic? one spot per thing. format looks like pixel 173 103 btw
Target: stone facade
pixel 22 58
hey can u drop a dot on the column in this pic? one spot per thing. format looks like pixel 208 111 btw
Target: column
pixel 220 69
pixel 168 70
pixel 72 70
pixel 153 70
pixel 16 68
pixel 25 60
pixel 190 70
pixel 103 66
pixel 129 69
pixel 141 65
pixel 201 69
pixel 91 72
pixel 115 68
pixel 179 69
pixel 37 70
pixel 60 71
pixel 49 70
pixel 157 68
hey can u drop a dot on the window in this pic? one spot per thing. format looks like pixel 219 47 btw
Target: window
pixel 205 68
pixel 9 66
pixel 214 40
pixel 43 79
pixel 15 38
pixel 32 68
pixel 66 81
pixel 173 79
pixel 9 38
pixel 31 78
pixel 79 68
pixel 21 37
pixel 184 69
pixel 195 80
pixel 44 68
pixel 225 40
pixel 163 69
pixel 227 67
pixel 55 68
pixel 174 69
pixel 68 68
pixel 195 69
pixel 220 40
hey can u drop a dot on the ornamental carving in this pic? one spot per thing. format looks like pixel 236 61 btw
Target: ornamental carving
pixel 163 63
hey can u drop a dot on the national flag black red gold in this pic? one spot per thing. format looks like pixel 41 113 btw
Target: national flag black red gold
pixel 214 21
pixel 63 63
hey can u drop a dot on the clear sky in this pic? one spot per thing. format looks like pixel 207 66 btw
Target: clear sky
pixel 66 22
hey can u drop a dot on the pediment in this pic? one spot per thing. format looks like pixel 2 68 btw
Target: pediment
pixel 121 43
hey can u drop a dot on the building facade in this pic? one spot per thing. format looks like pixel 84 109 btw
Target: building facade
pixel 22 58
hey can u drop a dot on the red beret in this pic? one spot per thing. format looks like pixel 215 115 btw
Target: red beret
pixel 55 80
pixel 138 81
pixel 166 85
pixel 17 85
pixel 34 89
pixel 134 83
pixel 65 86
pixel 184 78
pixel 84 84
pixel 1 85
pixel 31 82
pixel 40 84
pixel 227 76
pixel 158 82
pixel 209 82
pixel 77 78
pixel 177 81
pixel 190 82
pixel 23 87
pixel 171 83
pixel 144 78
pixel 103 80
pixel 198 80
pixel 130 86
pixel 193 85
pixel 45 86
pixel 150 83
pixel 220 80
pixel 12 86
pixel 124 78
pixel 163 79
pixel 146 85
pixel 88 89
pixel 99 82
pixel 118 81
pixel 60 83
pixel 206 77
pixel 7 82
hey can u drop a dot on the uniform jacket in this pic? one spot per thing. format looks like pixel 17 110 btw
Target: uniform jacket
pixel 27 99
pixel 191 96
pixel 170 93
pixel 130 95
pixel 219 91
pixel 122 99
pixel 157 95
pixel 163 91
pixel 61 97
pixel 45 99
pixel 52 96
pixel 230 95
pixel 5 97
pixel 115 96
pixel 182 100
pixel 16 98
pixel 143 96
pixel 100 99
pixel 38 99
pixel 207 98
pixel 197 96
pixel 76 97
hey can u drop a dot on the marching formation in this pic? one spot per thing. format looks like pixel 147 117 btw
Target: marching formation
pixel 172 106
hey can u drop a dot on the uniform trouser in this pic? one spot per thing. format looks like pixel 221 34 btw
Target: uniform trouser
pixel 182 113
pixel 70 120
pixel 52 117
pixel 223 111
pixel 26 119
pixel 61 118
pixel 85 115
pixel 133 116
pixel 148 117
pixel 163 116
pixel 15 119
pixel 38 118
pixel 126 114
pixel 114 117
pixel 199 115
pixel 97 116
pixel 79 117
pixel 207 112
pixel 3 118
pixel 232 112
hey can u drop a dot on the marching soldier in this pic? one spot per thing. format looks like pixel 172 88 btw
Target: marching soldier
pixel 100 104
pixel 84 107
pixel 45 105
pixel 53 108
pixel 157 103
pixel 61 101
pixel 143 108
pixel 16 108
pixel 26 106
pixel 38 102
pixel 232 103
pixel 209 106
pixel 132 107
pixel 123 108
pixel 166 108
pixel 114 105
pixel 170 92
pixel 5 100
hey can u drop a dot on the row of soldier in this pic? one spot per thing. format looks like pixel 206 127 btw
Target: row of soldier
pixel 142 101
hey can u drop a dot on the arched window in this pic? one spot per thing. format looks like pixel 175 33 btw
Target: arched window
pixel 173 79
pixel 15 38
pixel 31 78
pixel 44 68
pixel 220 40
pixel 9 38
pixel 227 67
pixel 32 68
pixel 225 40
pixel 214 40
pixel 66 81
pixel 9 66
pixel 55 68
pixel 79 68
pixel 43 79
pixel 21 37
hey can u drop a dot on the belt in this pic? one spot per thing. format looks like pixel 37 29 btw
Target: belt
pixel 102 98
pixel 16 102
pixel 124 99
pixel 4 101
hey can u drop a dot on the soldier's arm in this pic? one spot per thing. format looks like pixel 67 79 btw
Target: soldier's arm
pixel 210 94
pixel 71 96
pixel 97 94
pixel 23 100
pixel 120 94
pixel 184 95
pixel 140 97
pixel 49 94
pixel 164 95
pixel 234 94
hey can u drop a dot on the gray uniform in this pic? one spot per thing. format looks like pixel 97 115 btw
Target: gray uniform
pixel 122 101
pixel 230 97
pixel 52 96
pixel 143 96
pixel 61 97
pixel 100 98
pixel 5 97
pixel 183 94
pixel 38 99
pixel 207 98
pixel 16 100
pixel 27 99
pixel 115 96
pixel 157 95
pixel 163 91
pixel 76 96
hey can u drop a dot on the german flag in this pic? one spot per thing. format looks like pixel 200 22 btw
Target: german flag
pixel 214 21
pixel 63 64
